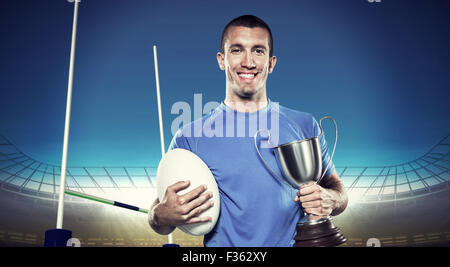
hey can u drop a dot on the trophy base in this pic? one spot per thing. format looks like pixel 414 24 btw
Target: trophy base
pixel 318 233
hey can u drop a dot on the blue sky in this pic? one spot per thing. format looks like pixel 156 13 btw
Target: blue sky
pixel 380 69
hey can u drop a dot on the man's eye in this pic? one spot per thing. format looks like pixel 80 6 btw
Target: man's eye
pixel 235 50
pixel 259 51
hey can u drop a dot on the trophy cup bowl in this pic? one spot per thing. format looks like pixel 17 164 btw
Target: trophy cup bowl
pixel 301 162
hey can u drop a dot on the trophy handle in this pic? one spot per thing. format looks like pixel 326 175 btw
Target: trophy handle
pixel 334 146
pixel 265 163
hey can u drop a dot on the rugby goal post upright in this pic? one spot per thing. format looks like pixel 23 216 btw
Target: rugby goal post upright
pixel 59 237
pixel 161 129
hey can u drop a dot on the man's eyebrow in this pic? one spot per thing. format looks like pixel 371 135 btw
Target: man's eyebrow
pixel 236 45
pixel 260 46
pixel 254 47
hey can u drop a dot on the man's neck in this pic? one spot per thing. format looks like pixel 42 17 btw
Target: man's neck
pixel 241 104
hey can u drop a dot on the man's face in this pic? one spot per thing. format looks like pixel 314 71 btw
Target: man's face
pixel 246 60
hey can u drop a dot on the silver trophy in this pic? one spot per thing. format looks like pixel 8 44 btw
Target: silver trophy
pixel 301 162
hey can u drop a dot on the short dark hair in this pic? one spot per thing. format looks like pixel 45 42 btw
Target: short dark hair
pixel 249 21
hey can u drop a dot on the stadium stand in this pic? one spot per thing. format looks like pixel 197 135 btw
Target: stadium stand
pixel 400 205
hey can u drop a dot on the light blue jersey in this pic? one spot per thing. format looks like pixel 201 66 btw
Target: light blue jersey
pixel 256 209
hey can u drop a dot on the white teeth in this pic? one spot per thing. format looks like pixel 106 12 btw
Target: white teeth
pixel 243 75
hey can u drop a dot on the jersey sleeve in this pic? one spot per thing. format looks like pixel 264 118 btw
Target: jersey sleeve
pixel 180 141
pixel 323 145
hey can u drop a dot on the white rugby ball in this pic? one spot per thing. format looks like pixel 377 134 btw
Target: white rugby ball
pixel 182 165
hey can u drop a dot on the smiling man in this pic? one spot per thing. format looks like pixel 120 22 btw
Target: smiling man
pixel 256 208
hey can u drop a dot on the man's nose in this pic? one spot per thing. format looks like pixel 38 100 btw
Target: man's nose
pixel 248 61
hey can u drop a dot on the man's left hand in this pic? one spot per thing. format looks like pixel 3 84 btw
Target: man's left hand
pixel 315 199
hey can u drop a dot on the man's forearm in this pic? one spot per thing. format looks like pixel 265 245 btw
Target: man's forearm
pixel 152 220
pixel 340 202
pixel 336 188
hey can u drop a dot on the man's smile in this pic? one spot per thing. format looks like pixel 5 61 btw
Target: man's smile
pixel 247 76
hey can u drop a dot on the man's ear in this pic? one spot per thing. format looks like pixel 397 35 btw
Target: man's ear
pixel 272 63
pixel 221 60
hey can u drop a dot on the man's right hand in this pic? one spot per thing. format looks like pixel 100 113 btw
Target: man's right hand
pixel 175 210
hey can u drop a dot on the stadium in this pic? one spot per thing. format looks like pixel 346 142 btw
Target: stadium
pixel 401 205
pixel 379 67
